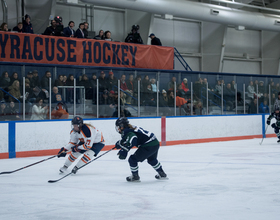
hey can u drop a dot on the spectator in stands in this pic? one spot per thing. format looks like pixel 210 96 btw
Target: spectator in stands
pixel 277 87
pixel 130 88
pixel 123 110
pixel 229 97
pixel 70 91
pixel 69 31
pixel 148 97
pixel 85 30
pixel 60 111
pixel 79 32
pixel 27 25
pixel 112 81
pixel 172 83
pixel 13 112
pixel 5 81
pixel 218 88
pixel 14 77
pixel 186 89
pixel 93 83
pixel 261 90
pixel 253 108
pixel 170 96
pixel 199 108
pixel 45 83
pixel 19 27
pixel 124 87
pixel 3 111
pixel 100 36
pixel 86 83
pixel 155 40
pixel 276 102
pixel 233 86
pixel 134 36
pixel 103 83
pixel 251 90
pixel 64 80
pixel 154 88
pixel 145 83
pixel 29 76
pixel 198 85
pixel 59 81
pixel 51 30
pixel 14 90
pixel 256 84
pixel 29 95
pixel 163 99
pixel 4 27
pixel 180 92
pixel 39 112
pixel 107 36
pixel 264 107
pixel 36 79
pixel 107 104
pixel 135 86
pixel 56 96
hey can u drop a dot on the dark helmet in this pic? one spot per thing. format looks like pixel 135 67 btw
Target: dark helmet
pixel 135 27
pixel 77 120
pixel 121 122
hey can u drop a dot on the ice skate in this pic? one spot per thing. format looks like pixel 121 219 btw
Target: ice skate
pixel 278 141
pixel 161 175
pixel 133 178
pixel 63 169
pixel 74 170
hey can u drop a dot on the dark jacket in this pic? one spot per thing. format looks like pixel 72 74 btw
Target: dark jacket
pixel 67 32
pixel 79 33
pixel 156 41
pixel 27 28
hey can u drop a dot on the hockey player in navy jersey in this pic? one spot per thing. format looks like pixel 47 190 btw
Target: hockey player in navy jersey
pixel 84 139
pixel 276 125
pixel 147 144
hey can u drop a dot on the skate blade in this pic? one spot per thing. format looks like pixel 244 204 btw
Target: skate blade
pixel 163 178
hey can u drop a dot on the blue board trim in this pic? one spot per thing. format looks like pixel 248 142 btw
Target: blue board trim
pixel 12 139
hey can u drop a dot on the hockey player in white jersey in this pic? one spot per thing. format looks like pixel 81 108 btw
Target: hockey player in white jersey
pixel 84 139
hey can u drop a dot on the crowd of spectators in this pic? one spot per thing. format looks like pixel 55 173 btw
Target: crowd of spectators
pixel 56 28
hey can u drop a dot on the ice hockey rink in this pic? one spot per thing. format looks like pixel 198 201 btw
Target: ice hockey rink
pixel 221 180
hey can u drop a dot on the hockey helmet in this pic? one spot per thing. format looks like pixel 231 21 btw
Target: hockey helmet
pixel 121 122
pixel 77 120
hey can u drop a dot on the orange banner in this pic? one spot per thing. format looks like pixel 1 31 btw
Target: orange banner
pixel 32 48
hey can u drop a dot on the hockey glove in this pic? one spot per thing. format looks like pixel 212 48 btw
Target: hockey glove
pixel 62 152
pixel 118 145
pixel 122 154
pixel 268 122
pixel 75 149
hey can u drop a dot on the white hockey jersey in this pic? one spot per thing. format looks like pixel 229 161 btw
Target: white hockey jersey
pixel 84 139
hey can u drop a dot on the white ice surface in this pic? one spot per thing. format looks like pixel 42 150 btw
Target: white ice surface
pixel 233 180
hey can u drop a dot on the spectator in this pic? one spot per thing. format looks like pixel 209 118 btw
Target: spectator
pixel 123 83
pixel 4 27
pixel 79 32
pixel 107 36
pixel 261 90
pixel 29 76
pixel 186 89
pixel 27 25
pixel 145 83
pixel 199 108
pixel 123 110
pixel 5 81
pixel 170 96
pixel 154 85
pixel 107 104
pixel 100 36
pixel 93 83
pixel 130 88
pixel 29 95
pixel 36 79
pixel 14 77
pixel 112 81
pixel 251 90
pixel 85 30
pixel 14 90
pixel 180 92
pixel 19 27
pixel 60 111
pixel 172 83
pixel 148 98
pixel 3 111
pixel 256 85
pixel 134 36
pixel 39 112
pixel 59 81
pixel 253 108
pixel 69 31
pixel 56 96
pixel 103 83
pixel 86 83
pixel 155 40
pixel 45 83
pixel 13 112
pixel 218 88
pixel 135 86
pixel 229 97
pixel 198 85
pixel 163 103
pixel 264 107
pixel 233 86
pixel 64 80
pixel 70 91
pixel 51 30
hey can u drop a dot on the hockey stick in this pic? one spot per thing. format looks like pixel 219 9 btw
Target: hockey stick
pixel 8 172
pixel 264 135
pixel 54 181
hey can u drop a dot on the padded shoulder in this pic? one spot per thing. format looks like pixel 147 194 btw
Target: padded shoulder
pixel 86 131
